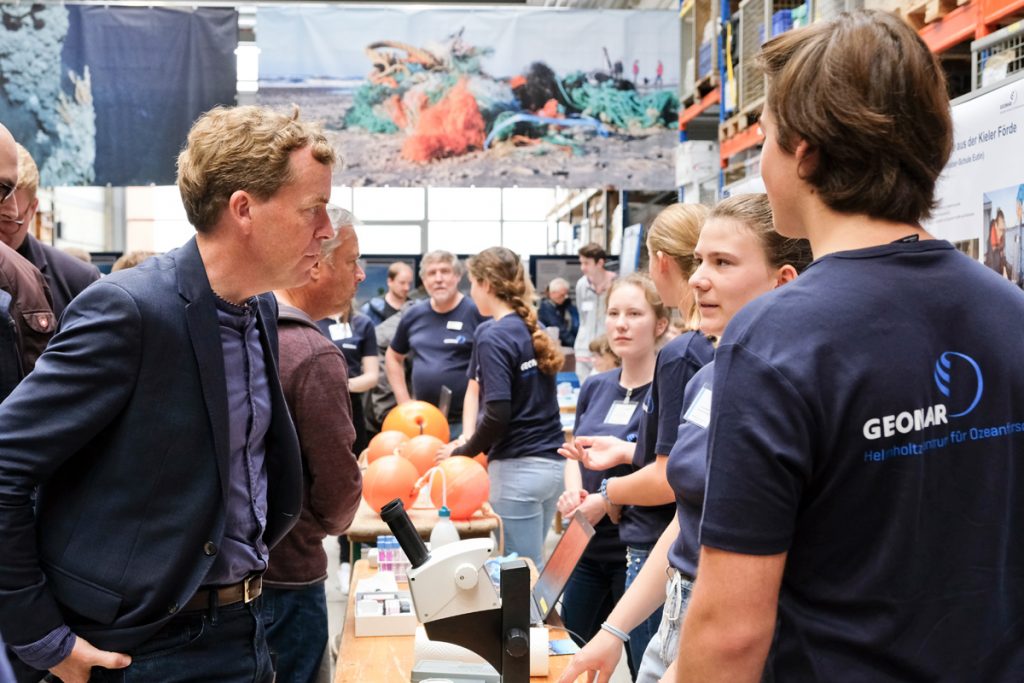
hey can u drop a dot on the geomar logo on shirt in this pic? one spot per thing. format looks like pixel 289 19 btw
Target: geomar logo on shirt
pixel 528 365
pixel 944 379
pixel 958 378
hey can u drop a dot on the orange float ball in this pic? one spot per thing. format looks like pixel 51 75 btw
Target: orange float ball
pixel 415 418
pixel 385 443
pixel 389 477
pixel 421 451
pixel 468 486
pixel 481 458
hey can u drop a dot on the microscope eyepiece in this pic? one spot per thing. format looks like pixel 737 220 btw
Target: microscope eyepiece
pixel 397 519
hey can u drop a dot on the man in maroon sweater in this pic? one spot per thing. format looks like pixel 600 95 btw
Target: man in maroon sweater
pixel 312 369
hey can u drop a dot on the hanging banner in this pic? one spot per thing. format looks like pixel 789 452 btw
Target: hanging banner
pixel 106 95
pixel 981 190
pixel 481 96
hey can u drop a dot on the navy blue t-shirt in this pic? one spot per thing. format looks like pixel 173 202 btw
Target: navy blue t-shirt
pixel 677 362
pixel 868 420
pixel 506 367
pixel 596 400
pixel 441 345
pixel 687 469
pixel 361 342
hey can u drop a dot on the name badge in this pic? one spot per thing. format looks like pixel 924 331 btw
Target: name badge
pixel 349 346
pixel 340 331
pixel 699 412
pixel 454 325
pixel 620 413
pixel 587 306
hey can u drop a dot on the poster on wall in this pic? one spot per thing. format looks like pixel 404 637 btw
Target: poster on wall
pixel 492 97
pixel 981 191
pixel 106 95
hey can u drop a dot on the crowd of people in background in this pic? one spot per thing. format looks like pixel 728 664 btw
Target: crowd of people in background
pixel 809 475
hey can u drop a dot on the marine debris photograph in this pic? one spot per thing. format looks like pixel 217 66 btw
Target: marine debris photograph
pixel 485 97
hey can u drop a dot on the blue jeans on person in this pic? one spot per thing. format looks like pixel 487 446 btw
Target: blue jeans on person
pixel 296 623
pixel 524 493
pixel 664 646
pixel 226 644
pixel 636 556
pixel 593 589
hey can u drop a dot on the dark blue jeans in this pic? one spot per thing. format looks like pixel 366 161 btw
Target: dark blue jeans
pixel 589 597
pixel 642 634
pixel 198 647
pixel 296 623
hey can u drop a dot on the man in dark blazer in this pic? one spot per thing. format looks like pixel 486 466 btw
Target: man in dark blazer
pixel 155 429
pixel 65 275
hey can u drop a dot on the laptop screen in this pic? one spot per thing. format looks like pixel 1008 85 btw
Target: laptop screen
pixel 560 564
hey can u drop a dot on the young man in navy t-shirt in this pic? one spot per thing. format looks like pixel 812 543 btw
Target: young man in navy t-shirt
pixel 865 496
pixel 438 333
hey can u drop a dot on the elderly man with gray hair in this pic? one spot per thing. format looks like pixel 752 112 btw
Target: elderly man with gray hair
pixel 556 310
pixel 312 370
pixel 438 332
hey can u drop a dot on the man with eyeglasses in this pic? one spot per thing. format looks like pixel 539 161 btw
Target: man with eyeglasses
pixel 65 275
pixel 26 317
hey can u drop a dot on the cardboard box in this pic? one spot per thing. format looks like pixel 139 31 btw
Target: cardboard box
pixel 383 610
pixel 696 160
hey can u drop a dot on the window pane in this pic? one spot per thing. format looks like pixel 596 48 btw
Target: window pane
pixel 464 204
pixel 527 204
pixel 81 213
pixel 157 235
pixel 526 238
pixel 342 196
pixel 388 203
pixel 167 203
pixel 389 239
pixel 463 237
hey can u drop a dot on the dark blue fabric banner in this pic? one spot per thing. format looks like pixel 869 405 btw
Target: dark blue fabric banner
pixel 106 95
pixel 153 72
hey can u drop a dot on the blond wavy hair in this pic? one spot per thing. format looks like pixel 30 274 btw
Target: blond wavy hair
pixel 241 148
pixel 28 172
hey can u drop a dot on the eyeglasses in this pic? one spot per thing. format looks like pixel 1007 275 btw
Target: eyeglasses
pixel 6 192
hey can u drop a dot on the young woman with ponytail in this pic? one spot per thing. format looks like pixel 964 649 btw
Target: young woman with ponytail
pixel 512 379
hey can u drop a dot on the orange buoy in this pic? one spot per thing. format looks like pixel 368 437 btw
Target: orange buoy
pixel 415 418
pixel 468 486
pixel 389 477
pixel 481 458
pixel 421 451
pixel 385 443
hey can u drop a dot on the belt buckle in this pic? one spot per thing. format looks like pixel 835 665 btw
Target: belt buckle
pixel 250 591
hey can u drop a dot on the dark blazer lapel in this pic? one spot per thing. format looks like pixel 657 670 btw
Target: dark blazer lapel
pixel 283 461
pixel 204 332
pixel 38 254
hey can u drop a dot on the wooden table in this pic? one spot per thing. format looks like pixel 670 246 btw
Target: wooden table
pixel 389 659
pixel 368 525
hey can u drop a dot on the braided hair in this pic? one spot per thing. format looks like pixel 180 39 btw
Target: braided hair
pixel 502 269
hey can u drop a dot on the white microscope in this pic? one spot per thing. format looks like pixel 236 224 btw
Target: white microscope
pixel 457 603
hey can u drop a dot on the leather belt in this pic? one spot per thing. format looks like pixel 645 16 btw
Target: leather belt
pixel 246 590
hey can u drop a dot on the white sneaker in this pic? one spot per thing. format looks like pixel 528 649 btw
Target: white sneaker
pixel 345 577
